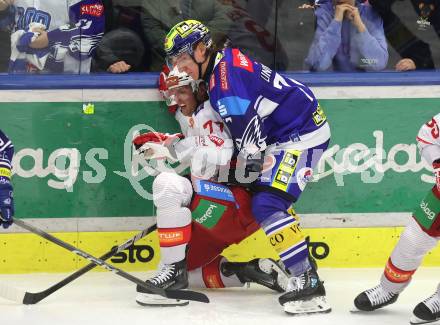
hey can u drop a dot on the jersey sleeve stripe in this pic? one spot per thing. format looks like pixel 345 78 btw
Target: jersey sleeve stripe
pixel 5 164
pixel 6 145
pixel 423 141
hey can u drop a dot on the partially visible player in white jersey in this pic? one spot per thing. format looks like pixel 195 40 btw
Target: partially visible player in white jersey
pixel 419 237
pixel 209 218
pixel 207 143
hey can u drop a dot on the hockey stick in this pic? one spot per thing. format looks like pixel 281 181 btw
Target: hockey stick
pixel 29 298
pixel 172 294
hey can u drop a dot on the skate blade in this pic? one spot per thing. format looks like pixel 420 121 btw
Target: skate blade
pixel 355 310
pixel 151 300
pixel 416 321
pixel 316 305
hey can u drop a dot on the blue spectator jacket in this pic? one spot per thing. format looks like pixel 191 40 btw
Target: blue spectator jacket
pixel 340 43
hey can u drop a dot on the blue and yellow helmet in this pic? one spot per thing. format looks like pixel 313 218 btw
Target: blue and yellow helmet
pixel 184 36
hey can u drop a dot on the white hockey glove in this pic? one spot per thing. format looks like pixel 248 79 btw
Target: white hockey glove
pixel 156 145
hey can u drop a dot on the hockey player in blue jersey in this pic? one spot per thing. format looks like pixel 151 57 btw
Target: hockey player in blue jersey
pixel 56 36
pixel 269 115
pixel 6 197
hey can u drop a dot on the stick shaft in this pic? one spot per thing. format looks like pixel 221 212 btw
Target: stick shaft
pixel 82 253
pixel 33 298
pixel 172 294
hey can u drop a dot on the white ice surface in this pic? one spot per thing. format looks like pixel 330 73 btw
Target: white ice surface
pixel 105 298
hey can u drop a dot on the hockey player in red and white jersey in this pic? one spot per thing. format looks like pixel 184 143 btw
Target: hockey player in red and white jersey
pixel 420 236
pixel 198 219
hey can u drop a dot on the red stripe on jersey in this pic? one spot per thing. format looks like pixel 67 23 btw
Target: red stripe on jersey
pixel 169 237
pixel 421 140
pixel 211 274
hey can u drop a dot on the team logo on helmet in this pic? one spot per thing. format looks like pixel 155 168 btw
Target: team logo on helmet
pixel 172 81
pixel 183 36
pixel 178 78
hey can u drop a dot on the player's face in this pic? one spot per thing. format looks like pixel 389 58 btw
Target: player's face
pixel 185 99
pixel 185 63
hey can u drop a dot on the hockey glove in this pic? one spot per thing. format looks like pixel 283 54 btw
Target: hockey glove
pixel 156 145
pixel 6 205
pixel 164 139
pixel 31 35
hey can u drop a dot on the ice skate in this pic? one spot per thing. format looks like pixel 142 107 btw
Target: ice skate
pixel 374 298
pixel 305 295
pixel 427 311
pixel 170 276
pixel 264 271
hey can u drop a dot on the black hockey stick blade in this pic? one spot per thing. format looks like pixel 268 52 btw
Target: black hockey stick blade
pixel 173 294
pixel 186 295
pixel 31 298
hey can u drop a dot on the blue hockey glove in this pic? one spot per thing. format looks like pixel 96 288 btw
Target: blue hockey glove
pixel 6 205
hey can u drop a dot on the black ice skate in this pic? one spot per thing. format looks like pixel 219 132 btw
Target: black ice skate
pixel 170 276
pixel 427 311
pixel 305 295
pixel 264 271
pixel 374 298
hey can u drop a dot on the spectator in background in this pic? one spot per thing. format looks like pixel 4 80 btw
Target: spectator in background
pixel 247 31
pixel 228 20
pixel 260 10
pixel 52 36
pixel 5 38
pixel 119 51
pixel 415 53
pixel 349 35
pixel 159 16
pixel 5 50
pixel 126 14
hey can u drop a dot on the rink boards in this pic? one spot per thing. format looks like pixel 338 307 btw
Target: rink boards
pixel 335 247
pixel 74 161
pixel 70 163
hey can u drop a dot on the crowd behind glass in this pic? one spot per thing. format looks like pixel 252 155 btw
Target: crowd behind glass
pixel 117 36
